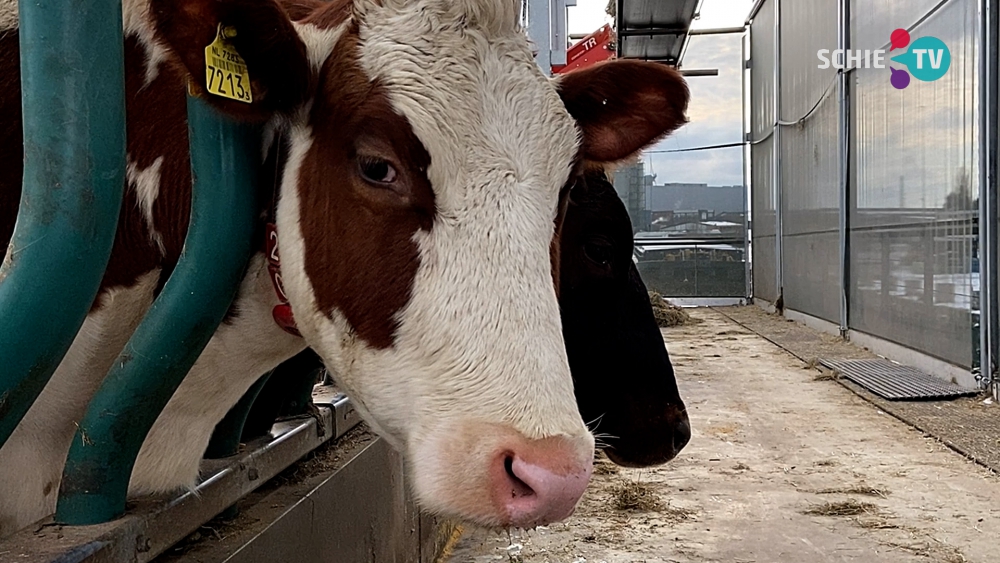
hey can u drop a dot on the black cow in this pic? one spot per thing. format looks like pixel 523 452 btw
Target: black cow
pixel 622 375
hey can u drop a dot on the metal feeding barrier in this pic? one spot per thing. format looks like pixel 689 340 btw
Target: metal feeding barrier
pixel 74 177
pixel 74 139
pixel 74 172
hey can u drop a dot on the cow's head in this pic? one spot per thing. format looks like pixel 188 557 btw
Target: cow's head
pixel 622 376
pixel 426 154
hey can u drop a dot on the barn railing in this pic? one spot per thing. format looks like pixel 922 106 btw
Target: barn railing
pixel 224 160
pixel 74 175
pixel 693 270
pixel 74 171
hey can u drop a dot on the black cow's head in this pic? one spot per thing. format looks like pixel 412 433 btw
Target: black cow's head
pixel 624 382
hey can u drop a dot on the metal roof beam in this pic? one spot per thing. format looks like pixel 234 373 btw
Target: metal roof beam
pixel 652 31
pixel 717 31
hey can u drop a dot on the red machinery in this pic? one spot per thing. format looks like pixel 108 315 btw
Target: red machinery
pixel 594 48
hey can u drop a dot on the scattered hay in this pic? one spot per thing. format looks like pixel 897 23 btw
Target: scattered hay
pixel 449 545
pixel 635 496
pixel 849 507
pixel 954 556
pixel 603 465
pixel 723 431
pixel 827 375
pixel 861 489
pixel 875 523
pixel 605 469
pixel 668 314
pixel 329 456
pixel 674 514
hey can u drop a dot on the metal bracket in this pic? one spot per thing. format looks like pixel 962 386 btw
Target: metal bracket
pixel 343 413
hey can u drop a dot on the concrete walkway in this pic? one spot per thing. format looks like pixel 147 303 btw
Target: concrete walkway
pixel 783 467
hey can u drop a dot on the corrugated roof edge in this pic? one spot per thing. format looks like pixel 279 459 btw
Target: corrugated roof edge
pixel 753 11
pixel 684 38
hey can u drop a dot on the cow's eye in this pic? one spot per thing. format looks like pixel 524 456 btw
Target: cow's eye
pixel 599 251
pixel 376 170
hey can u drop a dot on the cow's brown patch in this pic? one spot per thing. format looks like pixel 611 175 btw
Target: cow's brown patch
pixel 150 138
pixel 330 14
pixel 359 251
pixel 298 10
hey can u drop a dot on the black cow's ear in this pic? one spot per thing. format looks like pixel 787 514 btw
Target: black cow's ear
pixel 623 106
pixel 259 63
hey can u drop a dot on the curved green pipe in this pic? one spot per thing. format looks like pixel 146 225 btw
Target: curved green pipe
pixel 225 440
pixel 73 107
pixel 225 157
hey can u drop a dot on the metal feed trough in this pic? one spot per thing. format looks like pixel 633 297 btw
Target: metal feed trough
pixel 355 512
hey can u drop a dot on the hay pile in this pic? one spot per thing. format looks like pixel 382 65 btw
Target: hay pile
pixel 633 495
pixel 667 314
pixel 848 507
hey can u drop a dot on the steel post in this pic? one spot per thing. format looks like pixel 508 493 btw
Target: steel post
pixel 989 324
pixel 776 156
pixel 844 142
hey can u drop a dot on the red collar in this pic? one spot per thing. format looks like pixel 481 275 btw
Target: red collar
pixel 282 312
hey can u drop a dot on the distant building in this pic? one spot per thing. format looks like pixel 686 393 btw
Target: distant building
pixel 717 199
pixel 632 184
pixel 677 208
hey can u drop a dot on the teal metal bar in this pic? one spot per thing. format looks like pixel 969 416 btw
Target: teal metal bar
pixel 73 101
pixel 225 440
pixel 225 157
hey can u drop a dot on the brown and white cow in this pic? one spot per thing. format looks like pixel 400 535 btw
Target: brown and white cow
pixel 426 155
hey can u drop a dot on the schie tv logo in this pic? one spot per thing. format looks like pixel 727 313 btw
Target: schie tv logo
pixel 928 58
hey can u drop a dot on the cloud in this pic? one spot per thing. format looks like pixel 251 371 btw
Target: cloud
pixel 721 167
pixel 715 111
pixel 587 16
pixel 714 115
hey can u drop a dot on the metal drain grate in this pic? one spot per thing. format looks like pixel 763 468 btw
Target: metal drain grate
pixel 896 382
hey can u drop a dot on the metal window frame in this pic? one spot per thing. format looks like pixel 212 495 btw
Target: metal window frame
pixel 776 159
pixel 844 182
pixel 988 214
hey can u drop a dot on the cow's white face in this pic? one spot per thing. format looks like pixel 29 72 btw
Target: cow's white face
pixel 417 210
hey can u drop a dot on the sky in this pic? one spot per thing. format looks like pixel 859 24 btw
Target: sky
pixel 714 111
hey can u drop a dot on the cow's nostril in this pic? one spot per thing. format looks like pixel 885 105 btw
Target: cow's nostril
pixel 518 487
pixel 541 480
pixel 682 435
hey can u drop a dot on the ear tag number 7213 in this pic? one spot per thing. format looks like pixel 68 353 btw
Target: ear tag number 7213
pixel 225 70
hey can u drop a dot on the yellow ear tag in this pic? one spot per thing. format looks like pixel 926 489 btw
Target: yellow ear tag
pixel 225 70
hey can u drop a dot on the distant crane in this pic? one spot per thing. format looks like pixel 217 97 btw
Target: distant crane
pixel 594 48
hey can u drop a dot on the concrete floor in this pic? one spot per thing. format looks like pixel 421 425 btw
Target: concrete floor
pixel 782 467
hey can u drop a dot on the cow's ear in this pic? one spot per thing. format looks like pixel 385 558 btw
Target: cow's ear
pixel 623 106
pixel 277 70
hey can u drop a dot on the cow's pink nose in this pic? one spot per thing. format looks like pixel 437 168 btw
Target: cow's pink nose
pixel 535 490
